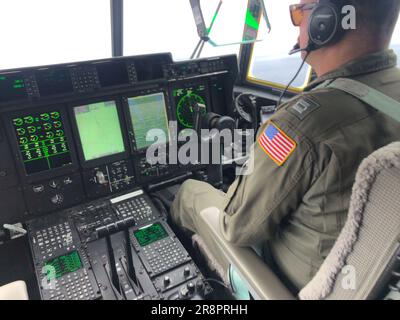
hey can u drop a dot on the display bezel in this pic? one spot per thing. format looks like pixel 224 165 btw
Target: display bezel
pixel 107 159
pixel 73 167
pixel 127 114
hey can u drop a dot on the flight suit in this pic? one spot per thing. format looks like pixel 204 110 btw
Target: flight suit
pixel 297 207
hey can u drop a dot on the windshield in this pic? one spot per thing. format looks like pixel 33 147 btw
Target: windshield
pixel 44 32
pixel 49 32
pixel 169 26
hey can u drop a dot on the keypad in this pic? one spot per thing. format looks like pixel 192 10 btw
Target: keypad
pixel 164 255
pixel 84 79
pixel 73 286
pixel 53 238
pixel 138 208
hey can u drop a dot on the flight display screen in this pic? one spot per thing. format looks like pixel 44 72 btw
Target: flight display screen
pixel 12 87
pixel 62 265
pixel 53 82
pixel 112 74
pixel 185 98
pixel 99 129
pixel 42 141
pixel 149 68
pixel 147 113
pixel 150 234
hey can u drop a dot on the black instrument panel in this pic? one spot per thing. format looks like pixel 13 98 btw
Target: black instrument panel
pixel 81 131
pixel 35 83
pixel 114 248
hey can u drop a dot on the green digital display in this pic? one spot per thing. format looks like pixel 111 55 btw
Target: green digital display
pixel 99 130
pixel 147 113
pixel 62 265
pixel 185 99
pixel 42 142
pixel 150 234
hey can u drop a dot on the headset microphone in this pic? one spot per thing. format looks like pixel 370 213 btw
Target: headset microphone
pixel 297 49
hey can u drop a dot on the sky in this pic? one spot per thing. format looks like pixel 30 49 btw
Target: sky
pixel 38 32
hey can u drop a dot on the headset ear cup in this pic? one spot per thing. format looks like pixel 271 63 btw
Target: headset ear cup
pixel 324 25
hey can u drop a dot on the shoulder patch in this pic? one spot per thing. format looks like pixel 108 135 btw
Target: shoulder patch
pixel 276 144
pixel 303 108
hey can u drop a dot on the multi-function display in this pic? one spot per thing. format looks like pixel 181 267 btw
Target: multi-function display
pixel 42 141
pixel 150 234
pixel 185 100
pixel 99 129
pixel 148 116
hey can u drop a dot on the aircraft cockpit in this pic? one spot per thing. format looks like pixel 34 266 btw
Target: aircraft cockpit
pixel 103 118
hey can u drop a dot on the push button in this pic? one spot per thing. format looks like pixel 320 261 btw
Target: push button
pixel 167 281
pixel 186 272
pixel 191 287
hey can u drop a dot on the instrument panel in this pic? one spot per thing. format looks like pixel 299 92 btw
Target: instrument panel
pixel 81 131
pixel 118 248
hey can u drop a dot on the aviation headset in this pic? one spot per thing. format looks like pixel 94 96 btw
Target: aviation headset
pixel 324 28
pixel 325 24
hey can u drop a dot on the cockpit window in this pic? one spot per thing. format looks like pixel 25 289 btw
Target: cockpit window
pixel 45 32
pixel 270 63
pixel 169 26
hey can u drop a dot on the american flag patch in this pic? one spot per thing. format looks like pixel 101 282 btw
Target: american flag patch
pixel 276 144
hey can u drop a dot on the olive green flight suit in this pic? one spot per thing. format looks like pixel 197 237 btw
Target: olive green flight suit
pixel 298 209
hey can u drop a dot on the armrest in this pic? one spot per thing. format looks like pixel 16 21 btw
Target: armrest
pixel 262 281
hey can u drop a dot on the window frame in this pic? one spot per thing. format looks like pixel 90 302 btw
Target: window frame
pixel 117 27
pixel 269 85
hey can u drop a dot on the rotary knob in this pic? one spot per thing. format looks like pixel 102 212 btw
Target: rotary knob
pixel 200 286
pixel 191 287
pixel 167 281
pixel 186 272
pixel 57 199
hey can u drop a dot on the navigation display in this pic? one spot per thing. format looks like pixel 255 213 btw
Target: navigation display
pixel 62 265
pixel 185 98
pixel 150 234
pixel 147 113
pixel 99 130
pixel 42 142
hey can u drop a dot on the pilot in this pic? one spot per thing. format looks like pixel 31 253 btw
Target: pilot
pixel 295 202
